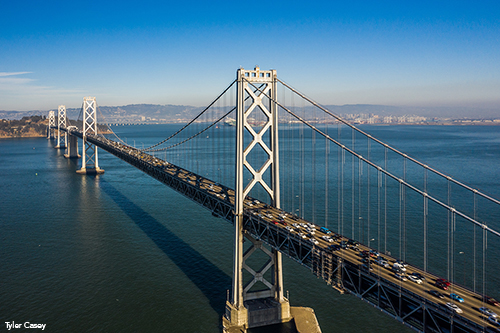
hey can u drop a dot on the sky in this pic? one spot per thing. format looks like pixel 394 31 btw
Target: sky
pixel 402 53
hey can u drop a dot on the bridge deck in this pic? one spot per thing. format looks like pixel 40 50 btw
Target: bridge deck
pixel 407 301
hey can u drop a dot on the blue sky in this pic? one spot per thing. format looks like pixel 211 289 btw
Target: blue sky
pixel 419 53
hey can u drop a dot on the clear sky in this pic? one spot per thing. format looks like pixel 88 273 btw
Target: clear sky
pixel 419 53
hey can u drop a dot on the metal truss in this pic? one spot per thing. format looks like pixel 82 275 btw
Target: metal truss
pixel 62 140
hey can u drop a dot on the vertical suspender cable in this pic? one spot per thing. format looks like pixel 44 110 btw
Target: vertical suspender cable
pixel 327 182
pixel 360 213
pixel 474 247
pixel 313 194
pixel 404 210
pixel 400 213
pixel 385 202
pixel 449 239
pixel 353 143
pixel 339 184
pixel 368 193
pixel 379 186
pixel 302 153
pixel 425 219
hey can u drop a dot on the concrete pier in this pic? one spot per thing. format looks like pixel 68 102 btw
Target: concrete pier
pixel 302 320
pixel 90 171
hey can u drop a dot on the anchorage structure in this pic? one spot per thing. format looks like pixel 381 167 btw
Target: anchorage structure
pixel 90 162
pixel 244 298
pixel 52 124
pixel 62 140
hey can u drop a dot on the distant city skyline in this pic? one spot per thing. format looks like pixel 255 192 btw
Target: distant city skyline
pixel 425 53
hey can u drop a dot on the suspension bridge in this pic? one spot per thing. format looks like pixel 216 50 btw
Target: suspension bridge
pixel 297 180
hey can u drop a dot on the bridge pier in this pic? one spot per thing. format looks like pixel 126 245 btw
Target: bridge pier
pixel 258 302
pixel 72 147
pixel 90 160
pixel 62 141
pixel 52 124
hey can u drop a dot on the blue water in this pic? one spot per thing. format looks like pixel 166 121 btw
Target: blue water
pixel 121 252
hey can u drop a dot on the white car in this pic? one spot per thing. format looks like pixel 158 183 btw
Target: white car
pixel 487 312
pixel 414 279
pixel 311 231
pixel 302 235
pixel 382 262
pixel 314 241
pixel 453 307
pixel 327 239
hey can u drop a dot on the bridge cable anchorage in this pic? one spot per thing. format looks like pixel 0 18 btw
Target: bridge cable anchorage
pixel 419 191
pixel 193 120
pixel 343 121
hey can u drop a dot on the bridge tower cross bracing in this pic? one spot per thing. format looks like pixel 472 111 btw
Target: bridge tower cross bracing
pixel 238 309
pixel 90 161
pixel 62 140
pixel 52 124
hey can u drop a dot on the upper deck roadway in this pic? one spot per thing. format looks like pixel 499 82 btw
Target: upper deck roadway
pixel 407 301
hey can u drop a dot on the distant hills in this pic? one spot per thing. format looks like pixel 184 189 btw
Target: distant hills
pixel 183 113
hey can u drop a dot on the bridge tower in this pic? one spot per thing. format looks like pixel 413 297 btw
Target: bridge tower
pixel 62 140
pixel 52 124
pixel 249 308
pixel 90 162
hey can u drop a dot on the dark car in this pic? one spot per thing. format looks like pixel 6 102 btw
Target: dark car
pixel 443 284
pixel 353 243
pixel 491 300
pixel 334 247
pixel 420 276
pixel 436 293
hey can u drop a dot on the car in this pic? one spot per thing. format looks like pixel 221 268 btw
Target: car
pixel 327 239
pixel 491 300
pixel 344 245
pixel 397 267
pixel 334 247
pixel 352 243
pixel 325 230
pixel 364 254
pixel 402 263
pixel 282 222
pixel 453 307
pixel 420 276
pixel 455 297
pixel 400 276
pixel 436 293
pixel 275 222
pixel 488 312
pixel 374 253
pixel 302 235
pixel 442 283
pixel 314 241
pixel 414 278
pixel 382 262
pixel 494 320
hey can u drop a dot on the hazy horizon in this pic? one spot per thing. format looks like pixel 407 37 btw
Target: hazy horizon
pixel 422 54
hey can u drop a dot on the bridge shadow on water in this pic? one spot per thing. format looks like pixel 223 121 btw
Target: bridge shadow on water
pixel 209 279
